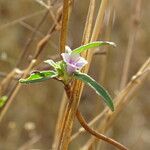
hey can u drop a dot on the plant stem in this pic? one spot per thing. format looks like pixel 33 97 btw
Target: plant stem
pixel 90 130
pixel 64 27
pixel 133 31
pixel 124 97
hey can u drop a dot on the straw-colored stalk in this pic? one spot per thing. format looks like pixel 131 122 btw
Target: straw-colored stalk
pixel 135 21
pixel 124 98
pixel 40 46
pixel 78 86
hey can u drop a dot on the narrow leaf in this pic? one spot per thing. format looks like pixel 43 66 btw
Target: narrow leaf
pixel 92 45
pixel 50 62
pixel 3 100
pixel 38 77
pixel 97 87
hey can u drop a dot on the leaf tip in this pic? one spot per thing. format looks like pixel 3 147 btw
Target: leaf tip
pixel 112 44
pixel 112 108
pixel 22 80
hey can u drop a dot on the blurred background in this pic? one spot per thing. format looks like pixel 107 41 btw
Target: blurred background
pixel 31 118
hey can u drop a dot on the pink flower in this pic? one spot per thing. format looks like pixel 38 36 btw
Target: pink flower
pixel 73 61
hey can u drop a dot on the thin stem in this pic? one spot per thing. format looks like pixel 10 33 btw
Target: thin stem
pixel 24 51
pixel 91 131
pixel 134 28
pixel 61 121
pixel 11 98
pixel 98 135
pixel 21 19
pixel 63 35
pixel 40 47
pixel 124 97
pixel 72 106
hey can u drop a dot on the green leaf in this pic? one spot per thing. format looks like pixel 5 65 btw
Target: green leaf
pixel 97 87
pixel 39 77
pixel 50 62
pixel 3 100
pixel 92 45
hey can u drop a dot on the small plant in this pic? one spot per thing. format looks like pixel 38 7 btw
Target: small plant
pixel 68 69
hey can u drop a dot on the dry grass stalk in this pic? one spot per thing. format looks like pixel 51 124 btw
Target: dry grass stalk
pixel 124 97
pixel 31 39
pixel 75 97
pixel 40 47
pixel 135 21
pixel 11 98
pixel 21 19
pixel 87 35
pixel 64 27
pixel 63 38
pixel 103 59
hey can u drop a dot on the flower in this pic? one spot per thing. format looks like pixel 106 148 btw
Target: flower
pixel 73 61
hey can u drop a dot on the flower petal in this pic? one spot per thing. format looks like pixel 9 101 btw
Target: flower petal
pixel 68 49
pixel 66 57
pixel 74 58
pixel 71 68
pixel 82 62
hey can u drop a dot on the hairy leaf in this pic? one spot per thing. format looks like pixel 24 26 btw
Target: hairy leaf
pixel 97 87
pixel 50 62
pixel 39 77
pixel 91 45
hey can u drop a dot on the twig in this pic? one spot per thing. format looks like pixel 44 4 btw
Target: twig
pixel 67 123
pixel 135 20
pixel 92 122
pixel 32 29
pixel 63 35
pixel 11 98
pixel 38 51
pixel 32 141
pixel 124 97
pixel 90 130
pixel 58 138
pixel 98 135
pixel 21 19
pixel 31 39
pixel 42 4
pixel 120 98
pixel 75 98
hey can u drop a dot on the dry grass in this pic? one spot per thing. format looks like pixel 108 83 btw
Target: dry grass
pixel 28 119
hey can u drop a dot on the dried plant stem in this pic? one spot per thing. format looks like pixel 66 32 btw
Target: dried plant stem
pixel 124 97
pixel 103 59
pixel 21 19
pixel 98 135
pixel 99 20
pixel 40 47
pixel 31 39
pixel 63 38
pixel 91 131
pixel 92 122
pixel 69 125
pixel 5 81
pixel 97 30
pixel 135 20
pixel 73 104
pixel 11 98
pixel 29 143
pixel 59 123
pixel 63 35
